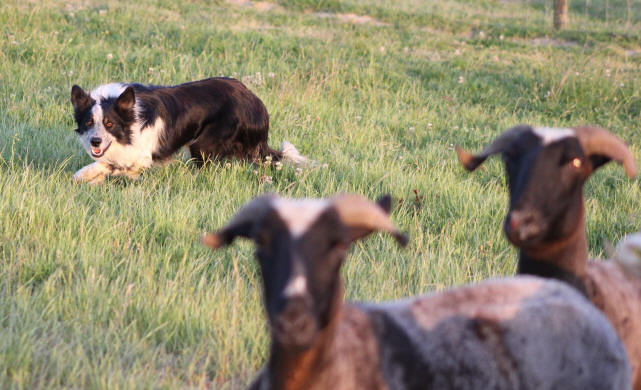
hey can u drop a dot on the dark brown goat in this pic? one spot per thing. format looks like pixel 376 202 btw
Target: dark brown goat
pixel 517 333
pixel 546 170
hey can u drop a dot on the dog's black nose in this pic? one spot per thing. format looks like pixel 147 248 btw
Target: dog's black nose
pixel 95 141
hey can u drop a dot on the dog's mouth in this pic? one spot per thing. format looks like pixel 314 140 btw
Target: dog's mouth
pixel 97 152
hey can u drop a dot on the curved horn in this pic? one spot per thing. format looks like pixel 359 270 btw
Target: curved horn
pixel 595 140
pixel 471 161
pixel 364 217
pixel 240 225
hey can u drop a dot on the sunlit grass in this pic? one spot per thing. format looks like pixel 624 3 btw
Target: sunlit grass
pixel 108 287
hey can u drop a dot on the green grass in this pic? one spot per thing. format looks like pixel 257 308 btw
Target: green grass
pixel 108 287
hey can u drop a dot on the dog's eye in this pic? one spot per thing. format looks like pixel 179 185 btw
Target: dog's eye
pixel 89 123
pixel 108 124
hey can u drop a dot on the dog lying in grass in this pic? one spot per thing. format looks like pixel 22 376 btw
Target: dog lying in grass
pixel 127 128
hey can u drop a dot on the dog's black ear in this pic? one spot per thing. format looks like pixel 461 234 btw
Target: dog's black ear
pixel 80 99
pixel 126 100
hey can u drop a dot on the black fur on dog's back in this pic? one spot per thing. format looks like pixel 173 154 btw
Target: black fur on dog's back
pixel 217 118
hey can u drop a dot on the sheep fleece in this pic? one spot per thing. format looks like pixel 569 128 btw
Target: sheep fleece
pixel 618 295
pixel 517 333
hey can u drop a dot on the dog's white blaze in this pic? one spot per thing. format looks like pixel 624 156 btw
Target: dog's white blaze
pixel 97 114
pixel 299 214
pixel 296 286
pixel 550 134
pixel 112 90
pixel 97 130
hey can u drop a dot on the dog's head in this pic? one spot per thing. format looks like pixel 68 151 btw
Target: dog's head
pixel 103 117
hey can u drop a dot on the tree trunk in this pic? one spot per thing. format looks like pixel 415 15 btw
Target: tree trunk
pixel 560 14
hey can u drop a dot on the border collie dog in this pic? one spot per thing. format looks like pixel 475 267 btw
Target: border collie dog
pixel 127 128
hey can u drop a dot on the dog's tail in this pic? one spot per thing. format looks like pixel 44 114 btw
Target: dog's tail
pixel 291 154
pixel 628 254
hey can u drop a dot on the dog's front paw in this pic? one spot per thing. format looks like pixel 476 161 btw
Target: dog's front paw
pixel 97 180
pixel 93 174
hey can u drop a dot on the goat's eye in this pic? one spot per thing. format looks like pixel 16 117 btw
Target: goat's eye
pixel 108 124
pixel 89 123
pixel 576 163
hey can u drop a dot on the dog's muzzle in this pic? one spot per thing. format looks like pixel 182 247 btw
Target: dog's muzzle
pixel 96 150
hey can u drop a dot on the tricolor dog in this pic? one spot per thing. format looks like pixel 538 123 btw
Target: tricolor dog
pixel 127 128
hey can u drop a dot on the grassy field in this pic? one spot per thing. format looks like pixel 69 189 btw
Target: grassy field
pixel 107 287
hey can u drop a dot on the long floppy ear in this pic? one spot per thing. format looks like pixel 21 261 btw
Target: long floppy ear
pixel 471 161
pixel 126 100
pixel 80 99
pixel 601 146
pixel 363 217
pixel 241 225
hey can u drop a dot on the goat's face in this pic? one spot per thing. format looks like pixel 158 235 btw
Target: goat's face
pixel 300 271
pixel 546 169
pixel 300 246
pixel 545 181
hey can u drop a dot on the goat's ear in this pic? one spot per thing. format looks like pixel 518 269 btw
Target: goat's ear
pixel 499 145
pixel 226 236
pixel 79 98
pixel 241 225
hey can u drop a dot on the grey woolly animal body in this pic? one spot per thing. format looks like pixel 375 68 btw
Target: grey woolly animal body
pixel 517 333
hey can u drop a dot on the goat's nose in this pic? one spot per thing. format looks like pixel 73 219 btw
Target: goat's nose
pixel 523 224
pixel 95 141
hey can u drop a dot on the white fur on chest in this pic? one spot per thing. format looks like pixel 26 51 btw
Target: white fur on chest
pixel 138 154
